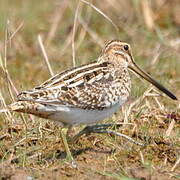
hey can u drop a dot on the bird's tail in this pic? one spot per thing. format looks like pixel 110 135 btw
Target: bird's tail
pixel 3 110
pixel 36 109
pixel 17 106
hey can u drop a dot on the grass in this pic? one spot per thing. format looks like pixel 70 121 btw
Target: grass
pixel 31 147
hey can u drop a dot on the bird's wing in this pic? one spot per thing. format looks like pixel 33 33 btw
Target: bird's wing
pixel 88 87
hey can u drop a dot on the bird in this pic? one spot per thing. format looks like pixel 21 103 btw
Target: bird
pixel 85 94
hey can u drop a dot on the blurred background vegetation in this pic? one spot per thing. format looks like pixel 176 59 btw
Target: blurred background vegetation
pixel 152 27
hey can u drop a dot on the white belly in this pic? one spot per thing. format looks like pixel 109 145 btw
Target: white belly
pixel 76 116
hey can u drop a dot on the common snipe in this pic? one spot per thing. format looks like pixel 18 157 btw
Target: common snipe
pixel 86 94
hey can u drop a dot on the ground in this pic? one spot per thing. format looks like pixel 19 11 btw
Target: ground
pixel 31 147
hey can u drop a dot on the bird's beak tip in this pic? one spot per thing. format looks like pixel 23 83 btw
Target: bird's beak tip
pixel 143 74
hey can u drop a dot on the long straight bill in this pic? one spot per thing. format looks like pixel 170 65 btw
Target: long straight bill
pixel 146 76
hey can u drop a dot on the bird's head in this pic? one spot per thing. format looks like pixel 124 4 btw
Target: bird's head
pixel 119 54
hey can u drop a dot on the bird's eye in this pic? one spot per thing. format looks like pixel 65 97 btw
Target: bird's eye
pixel 126 47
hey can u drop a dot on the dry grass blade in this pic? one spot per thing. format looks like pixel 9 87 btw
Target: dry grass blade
pixel 142 156
pixel 12 86
pixel 161 106
pixel 73 34
pixel 176 164
pixel 8 78
pixel 9 82
pixel 124 136
pixel 170 128
pixel 57 16
pixel 83 31
pixel 148 15
pixel 15 32
pixel 102 13
pixel 92 33
pixel 1 63
pixel 7 113
pixel 45 55
pixel 67 43
pixel 155 58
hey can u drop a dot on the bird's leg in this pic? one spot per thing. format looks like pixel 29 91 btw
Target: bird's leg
pixel 102 128
pixel 91 129
pixel 69 157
